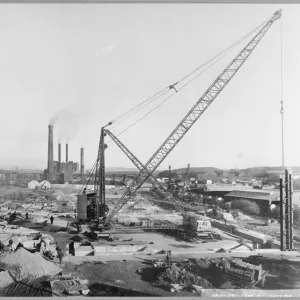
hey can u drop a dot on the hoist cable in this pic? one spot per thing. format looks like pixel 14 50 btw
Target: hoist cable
pixel 225 52
pixel 146 102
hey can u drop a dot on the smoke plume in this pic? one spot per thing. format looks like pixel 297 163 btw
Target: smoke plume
pixel 67 124
pixel 52 121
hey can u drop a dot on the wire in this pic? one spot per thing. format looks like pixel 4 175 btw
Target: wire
pixel 90 176
pixel 224 52
pixel 214 60
pixel 281 60
pixel 146 102
pixel 281 91
pixel 134 111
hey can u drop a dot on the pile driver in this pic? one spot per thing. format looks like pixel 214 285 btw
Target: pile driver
pixel 100 208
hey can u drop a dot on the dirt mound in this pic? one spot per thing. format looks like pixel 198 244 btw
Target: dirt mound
pixel 5 279
pixel 26 288
pixel 24 264
pixel 178 275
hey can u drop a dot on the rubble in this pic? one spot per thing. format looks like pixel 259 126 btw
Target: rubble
pixel 179 275
pixel 28 264
pixel 196 223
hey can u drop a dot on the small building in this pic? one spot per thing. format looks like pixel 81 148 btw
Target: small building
pixel 146 187
pixel 45 184
pixel 262 198
pixel 33 184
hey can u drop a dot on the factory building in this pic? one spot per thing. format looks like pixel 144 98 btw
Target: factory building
pixel 58 171
pixel 263 199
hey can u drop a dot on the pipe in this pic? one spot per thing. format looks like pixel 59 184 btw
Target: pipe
pixel 59 158
pixel 287 211
pixel 81 161
pixel 67 150
pixel 281 217
pixel 50 153
pixel 291 211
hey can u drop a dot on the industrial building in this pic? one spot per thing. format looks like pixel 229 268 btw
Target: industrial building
pixel 262 199
pixel 59 171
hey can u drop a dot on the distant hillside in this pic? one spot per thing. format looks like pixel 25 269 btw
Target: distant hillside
pixel 121 170
pixel 196 170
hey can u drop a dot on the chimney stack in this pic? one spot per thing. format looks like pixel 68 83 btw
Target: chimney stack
pixel 81 161
pixel 50 154
pixel 67 155
pixel 59 158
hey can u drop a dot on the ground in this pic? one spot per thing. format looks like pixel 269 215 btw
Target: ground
pixel 134 273
pixel 4 190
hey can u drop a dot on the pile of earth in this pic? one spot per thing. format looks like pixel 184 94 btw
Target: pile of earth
pixel 179 275
pixel 40 287
pixel 22 265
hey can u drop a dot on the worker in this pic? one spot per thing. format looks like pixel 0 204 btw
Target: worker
pixel 59 254
pixel 169 257
pixel 10 244
pixel 78 226
pixel 43 246
pixel 51 220
pixel 72 248
pixel 26 216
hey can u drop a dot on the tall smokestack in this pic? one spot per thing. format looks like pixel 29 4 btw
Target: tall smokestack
pixel 67 154
pixel 59 158
pixel 50 153
pixel 81 161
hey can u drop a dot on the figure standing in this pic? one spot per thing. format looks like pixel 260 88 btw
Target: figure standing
pixel 10 245
pixel 169 257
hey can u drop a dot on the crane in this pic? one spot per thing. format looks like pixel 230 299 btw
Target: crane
pixel 181 129
pixel 169 196
pixel 181 207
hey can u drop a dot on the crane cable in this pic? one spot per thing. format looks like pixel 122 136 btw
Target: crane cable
pixel 122 116
pixel 281 92
pixel 219 57
pixel 90 176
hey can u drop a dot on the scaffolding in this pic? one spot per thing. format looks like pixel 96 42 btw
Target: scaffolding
pixel 286 213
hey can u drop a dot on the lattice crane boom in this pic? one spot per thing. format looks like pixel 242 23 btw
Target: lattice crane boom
pixel 193 115
pixel 141 167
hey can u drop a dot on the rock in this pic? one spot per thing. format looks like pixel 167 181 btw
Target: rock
pixel 177 287
pixel 221 250
pixel 74 293
pixel 85 292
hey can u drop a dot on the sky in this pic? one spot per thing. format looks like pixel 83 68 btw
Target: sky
pixel 83 65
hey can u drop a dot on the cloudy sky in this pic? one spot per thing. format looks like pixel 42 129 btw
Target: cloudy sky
pixel 85 65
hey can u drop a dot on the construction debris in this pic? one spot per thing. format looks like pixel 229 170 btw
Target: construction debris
pixel 22 264
pixel 196 223
pixel 179 275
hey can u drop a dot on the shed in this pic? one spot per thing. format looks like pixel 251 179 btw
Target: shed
pixel 262 198
pixel 45 184
pixel 33 184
